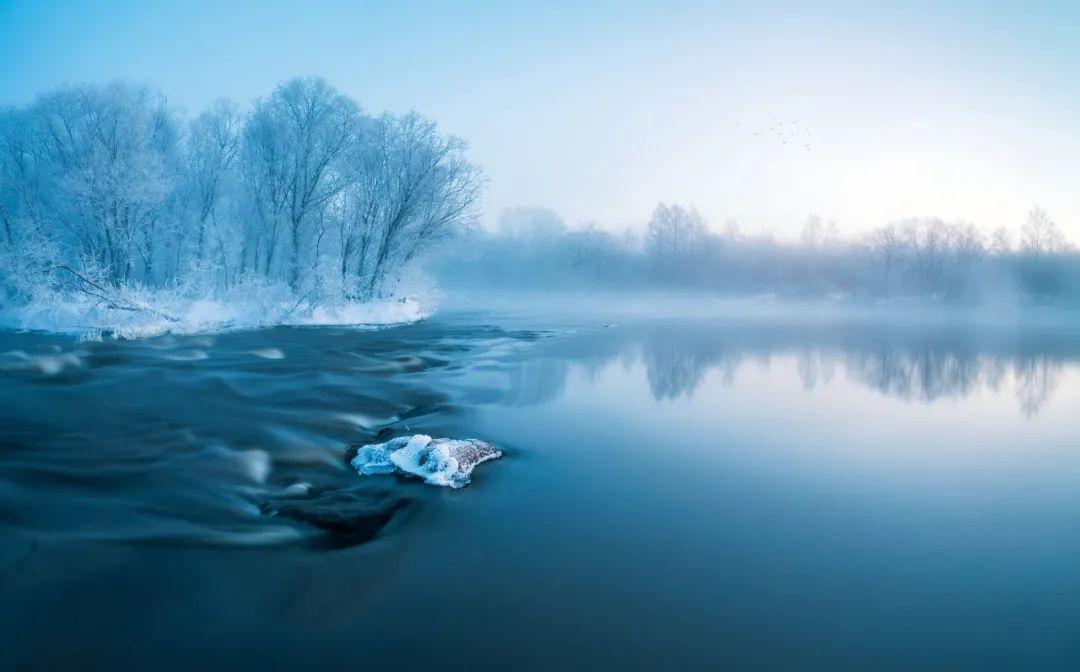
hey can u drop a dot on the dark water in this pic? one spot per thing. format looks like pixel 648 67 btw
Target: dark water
pixel 676 495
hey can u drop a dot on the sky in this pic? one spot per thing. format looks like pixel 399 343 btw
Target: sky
pixel 861 112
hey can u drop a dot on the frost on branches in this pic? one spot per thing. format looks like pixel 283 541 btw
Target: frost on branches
pixel 116 215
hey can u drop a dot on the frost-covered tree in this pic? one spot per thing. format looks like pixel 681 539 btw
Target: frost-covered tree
pixel 1040 235
pixel 104 191
pixel 924 258
pixel 294 145
pixel 28 246
pixel 927 244
pixel 17 174
pixel 413 186
pixel 674 238
pixel 211 179
pixel 1001 242
pixel 888 248
pixel 111 156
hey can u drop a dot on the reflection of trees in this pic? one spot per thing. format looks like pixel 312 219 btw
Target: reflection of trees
pixel 675 364
pixel 540 378
pixel 675 360
pixel 537 381
pixel 928 374
pixel 1036 378
pixel 678 358
pixel 814 367
pixel 672 370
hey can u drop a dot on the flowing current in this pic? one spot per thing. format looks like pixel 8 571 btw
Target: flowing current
pixel 673 493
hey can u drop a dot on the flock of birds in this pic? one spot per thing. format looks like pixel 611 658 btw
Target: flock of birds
pixel 790 133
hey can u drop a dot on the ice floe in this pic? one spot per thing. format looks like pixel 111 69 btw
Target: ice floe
pixel 446 462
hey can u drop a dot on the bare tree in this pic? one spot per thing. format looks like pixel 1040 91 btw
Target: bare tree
pixel 928 242
pixel 1040 235
pixel 1001 242
pixel 674 236
pixel 888 247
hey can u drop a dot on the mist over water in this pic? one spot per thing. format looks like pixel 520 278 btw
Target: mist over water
pixel 675 338
pixel 768 475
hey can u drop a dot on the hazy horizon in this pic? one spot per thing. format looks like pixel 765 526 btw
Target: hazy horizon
pixel 762 114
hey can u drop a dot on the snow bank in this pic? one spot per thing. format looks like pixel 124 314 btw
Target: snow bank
pixel 445 462
pixel 375 312
pixel 144 315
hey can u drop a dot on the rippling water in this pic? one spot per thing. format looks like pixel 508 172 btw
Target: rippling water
pixel 675 494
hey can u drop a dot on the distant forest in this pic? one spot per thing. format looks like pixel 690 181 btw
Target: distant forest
pixel 923 258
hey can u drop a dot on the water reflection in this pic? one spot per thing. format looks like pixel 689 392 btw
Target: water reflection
pixel 815 368
pixel 1036 379
pixel 676 366
pixel 914 367
pixel 537 381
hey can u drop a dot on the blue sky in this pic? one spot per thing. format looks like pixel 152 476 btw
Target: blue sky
pixel 765 112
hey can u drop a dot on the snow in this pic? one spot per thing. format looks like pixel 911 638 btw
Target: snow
pixel 162 312
pixel 443 462
pixel 375 312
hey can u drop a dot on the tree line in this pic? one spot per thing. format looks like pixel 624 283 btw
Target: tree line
pixel 913 258
pixel 107 186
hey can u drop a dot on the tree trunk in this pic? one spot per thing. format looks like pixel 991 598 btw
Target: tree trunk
pixel 294 258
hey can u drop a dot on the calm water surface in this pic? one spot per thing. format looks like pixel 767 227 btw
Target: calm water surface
pixel 677 494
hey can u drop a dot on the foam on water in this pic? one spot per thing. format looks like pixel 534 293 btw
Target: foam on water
pixel 445 462
pixel 187 356
pixel 364 421
pixel 268 353
pixel 253 464
pixel 300 489
pixel 48 365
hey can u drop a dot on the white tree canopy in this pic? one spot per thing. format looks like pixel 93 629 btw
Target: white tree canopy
pixel 303 189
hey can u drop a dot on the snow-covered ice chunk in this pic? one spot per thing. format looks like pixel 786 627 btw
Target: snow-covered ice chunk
pixel 447 462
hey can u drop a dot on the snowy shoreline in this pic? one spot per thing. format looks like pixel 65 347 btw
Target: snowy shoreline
pixel 157 316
